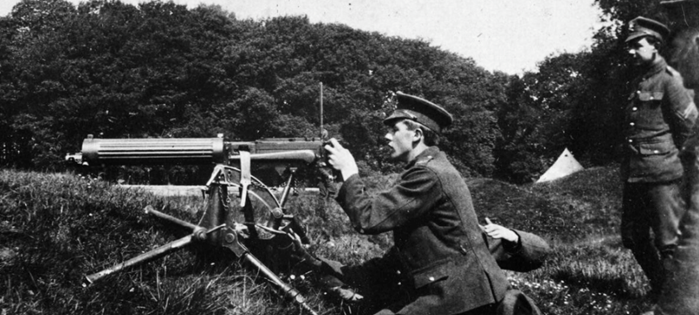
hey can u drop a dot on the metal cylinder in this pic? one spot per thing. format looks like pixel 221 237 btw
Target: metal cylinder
pixel 153 151
pixel 141 259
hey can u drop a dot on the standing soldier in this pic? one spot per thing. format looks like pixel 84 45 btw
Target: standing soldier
pixel 659 118
pixel 680 294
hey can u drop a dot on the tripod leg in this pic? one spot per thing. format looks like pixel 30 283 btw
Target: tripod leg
pixel 287 289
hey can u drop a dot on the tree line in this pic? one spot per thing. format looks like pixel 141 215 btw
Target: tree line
pixel 160 69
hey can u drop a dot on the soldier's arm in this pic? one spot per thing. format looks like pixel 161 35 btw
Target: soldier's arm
pixel 370 273
pixel 533 250
pixel 527 253
pixel 412 197
pixel 684 111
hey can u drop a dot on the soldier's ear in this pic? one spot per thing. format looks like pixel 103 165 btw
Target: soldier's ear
pixel 419 134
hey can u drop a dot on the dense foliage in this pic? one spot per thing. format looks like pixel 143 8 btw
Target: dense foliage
pixel 161 70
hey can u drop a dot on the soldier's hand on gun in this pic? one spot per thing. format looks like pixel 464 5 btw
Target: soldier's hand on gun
pixel 498 231
pixel 341 159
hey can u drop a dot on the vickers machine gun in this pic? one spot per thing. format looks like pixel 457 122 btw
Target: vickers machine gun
pixel 259 217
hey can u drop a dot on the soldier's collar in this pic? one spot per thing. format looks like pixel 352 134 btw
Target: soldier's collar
pixel 423 157
pixel 658 65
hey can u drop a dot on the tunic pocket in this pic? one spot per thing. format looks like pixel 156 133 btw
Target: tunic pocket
pixel 434 272
pixel 650 114
pixel 650 96
pixel 657 148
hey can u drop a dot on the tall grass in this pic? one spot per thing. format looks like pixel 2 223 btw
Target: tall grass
pixel 589 271
pixel 56 228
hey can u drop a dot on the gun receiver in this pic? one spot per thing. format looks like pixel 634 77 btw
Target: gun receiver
pixel 218 225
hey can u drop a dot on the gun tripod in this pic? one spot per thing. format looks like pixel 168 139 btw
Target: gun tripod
pixel 264 221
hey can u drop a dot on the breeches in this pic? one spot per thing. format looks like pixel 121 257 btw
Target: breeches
pixel 652 206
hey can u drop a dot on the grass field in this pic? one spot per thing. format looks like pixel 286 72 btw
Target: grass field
pixel 55 228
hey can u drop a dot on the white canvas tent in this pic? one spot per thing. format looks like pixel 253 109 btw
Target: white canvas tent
pixel 565 165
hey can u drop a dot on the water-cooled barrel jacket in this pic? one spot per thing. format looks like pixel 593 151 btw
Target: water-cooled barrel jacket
pixel 659 118
pixel 437 240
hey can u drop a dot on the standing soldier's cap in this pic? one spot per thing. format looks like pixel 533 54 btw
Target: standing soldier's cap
pixel 421 111
pixel 641 27
pixel 684 12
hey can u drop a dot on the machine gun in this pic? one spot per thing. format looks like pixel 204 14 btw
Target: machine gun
pixel 257 222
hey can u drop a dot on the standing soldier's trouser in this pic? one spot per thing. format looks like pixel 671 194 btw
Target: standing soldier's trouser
pixel 657 207
pixel 680 294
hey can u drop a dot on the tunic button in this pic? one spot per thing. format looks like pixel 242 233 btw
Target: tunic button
pixel 651 97
pixel 399 283
pixel 656 151
pixel 634 109
pixel 630 140
pixel 431 278
pixel 397 272
pixel 632 124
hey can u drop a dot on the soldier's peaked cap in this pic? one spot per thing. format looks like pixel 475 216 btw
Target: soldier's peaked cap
pixel 421 111
pixel 684 12
pixel 642 26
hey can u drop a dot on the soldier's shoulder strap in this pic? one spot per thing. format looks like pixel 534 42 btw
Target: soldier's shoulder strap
pixel 424 160
pixel 670 70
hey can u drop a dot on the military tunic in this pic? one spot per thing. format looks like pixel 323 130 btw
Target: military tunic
pixel 526 255
pixel 439 263
pixel 659 119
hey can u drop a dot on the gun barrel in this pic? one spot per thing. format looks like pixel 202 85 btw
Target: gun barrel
pixel 153 151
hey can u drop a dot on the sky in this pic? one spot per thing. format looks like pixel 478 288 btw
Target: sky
pixel 511 36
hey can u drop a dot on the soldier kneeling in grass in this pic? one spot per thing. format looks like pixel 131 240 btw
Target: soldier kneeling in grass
pixel 440 262
pixel 512 249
